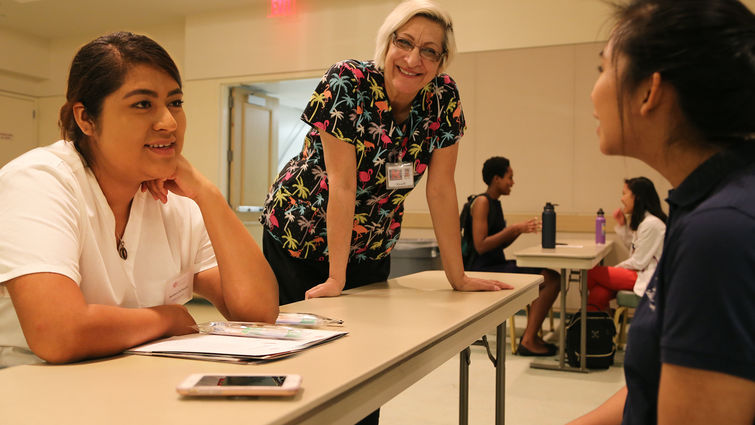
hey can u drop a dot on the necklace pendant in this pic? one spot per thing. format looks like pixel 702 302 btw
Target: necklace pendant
pixel 122 250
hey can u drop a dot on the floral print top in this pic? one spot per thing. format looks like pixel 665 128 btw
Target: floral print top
pixel 351 104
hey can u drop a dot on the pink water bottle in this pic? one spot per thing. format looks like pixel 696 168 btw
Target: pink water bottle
pixel 600 227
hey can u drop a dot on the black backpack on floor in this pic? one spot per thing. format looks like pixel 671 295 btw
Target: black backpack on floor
pixel 600 347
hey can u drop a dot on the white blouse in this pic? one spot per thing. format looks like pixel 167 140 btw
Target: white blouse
pixel 645 248
pixel 54 218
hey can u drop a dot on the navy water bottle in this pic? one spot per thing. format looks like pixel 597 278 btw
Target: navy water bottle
pixel 549 226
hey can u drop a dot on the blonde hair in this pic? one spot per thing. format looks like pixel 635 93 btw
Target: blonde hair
pixel 407 10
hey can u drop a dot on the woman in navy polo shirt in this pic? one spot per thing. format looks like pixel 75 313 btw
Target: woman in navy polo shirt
pixel 677 91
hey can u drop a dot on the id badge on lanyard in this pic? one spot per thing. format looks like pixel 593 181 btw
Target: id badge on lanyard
pixel 400 175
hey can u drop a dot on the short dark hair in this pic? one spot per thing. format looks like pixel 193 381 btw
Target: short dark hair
pixel 645 200
pixel 99 69
pixel 495 166
pixel 706 50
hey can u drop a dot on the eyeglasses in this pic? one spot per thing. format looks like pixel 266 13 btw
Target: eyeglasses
pixel 425 52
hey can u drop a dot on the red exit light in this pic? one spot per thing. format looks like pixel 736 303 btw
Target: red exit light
pixel 282 8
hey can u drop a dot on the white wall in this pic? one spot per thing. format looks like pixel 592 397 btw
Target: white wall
pixel 532 105
pixel 24 64
pixel 246 42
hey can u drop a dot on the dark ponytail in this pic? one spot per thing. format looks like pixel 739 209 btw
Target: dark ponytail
pixel 706 50
pixel 645 200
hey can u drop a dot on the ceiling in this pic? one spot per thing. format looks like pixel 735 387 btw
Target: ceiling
pixel 50 19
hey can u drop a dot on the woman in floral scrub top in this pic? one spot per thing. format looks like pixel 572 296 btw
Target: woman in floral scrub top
pixel 334 213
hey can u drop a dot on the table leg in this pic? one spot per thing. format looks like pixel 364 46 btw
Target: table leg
pixel 562 328
pixel 583 328
pixel 464 361
pixel 500 374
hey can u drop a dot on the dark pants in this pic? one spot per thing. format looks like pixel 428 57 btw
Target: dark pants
pixel 295 276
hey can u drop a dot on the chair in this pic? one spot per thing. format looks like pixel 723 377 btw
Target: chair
pixel 625 300
pixel 512 332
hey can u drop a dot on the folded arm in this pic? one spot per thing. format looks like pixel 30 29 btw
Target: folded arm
pixel 60 326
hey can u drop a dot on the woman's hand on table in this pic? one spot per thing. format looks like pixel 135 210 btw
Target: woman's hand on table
pixel 177 319
pixel 329 288
pixel 467 283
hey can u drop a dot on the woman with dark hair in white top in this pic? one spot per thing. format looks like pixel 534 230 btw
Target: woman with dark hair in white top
pixel 644 237
pixel 90 263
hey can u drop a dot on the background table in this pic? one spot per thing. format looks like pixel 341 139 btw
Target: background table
pixel 399 331
pixel 579 255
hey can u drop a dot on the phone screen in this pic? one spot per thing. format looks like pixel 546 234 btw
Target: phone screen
pixel 240 381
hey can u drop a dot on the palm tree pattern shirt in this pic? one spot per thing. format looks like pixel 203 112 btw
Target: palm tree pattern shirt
pixel 350 103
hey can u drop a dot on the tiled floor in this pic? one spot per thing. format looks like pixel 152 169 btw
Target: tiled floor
pixel 533 396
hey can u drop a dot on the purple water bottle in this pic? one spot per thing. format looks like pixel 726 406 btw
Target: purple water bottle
pixel 600 227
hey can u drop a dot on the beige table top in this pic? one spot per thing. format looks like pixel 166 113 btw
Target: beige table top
pixel 399 331
pixel 576 254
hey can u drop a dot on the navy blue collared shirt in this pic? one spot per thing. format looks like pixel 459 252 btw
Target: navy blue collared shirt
pixel 699 308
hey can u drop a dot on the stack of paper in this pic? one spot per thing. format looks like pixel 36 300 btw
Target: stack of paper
pixel 237 349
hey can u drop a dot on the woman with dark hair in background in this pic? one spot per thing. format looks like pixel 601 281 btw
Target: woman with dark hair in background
pixel 647 226
pixel 90 263
pixel 677 91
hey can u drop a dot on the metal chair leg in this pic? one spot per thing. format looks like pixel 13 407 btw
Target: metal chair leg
pixel 619 322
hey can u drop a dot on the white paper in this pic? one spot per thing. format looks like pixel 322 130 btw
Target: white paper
pixel 235 346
